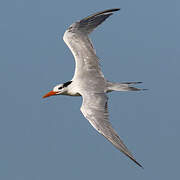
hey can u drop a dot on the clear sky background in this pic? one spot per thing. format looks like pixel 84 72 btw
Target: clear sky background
pixel 43 139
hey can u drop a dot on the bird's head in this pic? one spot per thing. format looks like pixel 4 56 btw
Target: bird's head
pixel 58 89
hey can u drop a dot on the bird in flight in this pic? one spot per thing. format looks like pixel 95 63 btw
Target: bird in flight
pixel 88 80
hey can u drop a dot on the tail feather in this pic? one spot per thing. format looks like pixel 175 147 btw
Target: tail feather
pixel 124 86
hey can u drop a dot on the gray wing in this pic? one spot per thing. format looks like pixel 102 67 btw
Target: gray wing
pixel 88 24
pixel 76 38
pixel 94 108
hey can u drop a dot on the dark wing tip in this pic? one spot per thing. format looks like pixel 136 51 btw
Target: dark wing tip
pixel 135 161
pixel 108 11
pixel 89 23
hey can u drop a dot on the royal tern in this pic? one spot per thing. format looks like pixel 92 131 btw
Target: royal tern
pixel 88 80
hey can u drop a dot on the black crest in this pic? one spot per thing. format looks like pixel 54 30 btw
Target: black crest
pixel 67 84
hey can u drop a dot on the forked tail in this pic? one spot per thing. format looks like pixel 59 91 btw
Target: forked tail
pixel 123 86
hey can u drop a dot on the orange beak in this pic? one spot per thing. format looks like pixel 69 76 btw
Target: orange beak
pixel 51 93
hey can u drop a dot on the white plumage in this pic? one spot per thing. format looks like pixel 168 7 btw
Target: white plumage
pixel 88 80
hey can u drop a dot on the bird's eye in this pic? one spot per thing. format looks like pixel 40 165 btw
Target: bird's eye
pixel 60 87
pixel 70 29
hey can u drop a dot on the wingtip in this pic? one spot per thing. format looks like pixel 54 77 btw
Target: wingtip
pixel 144 89
pixel 111 10
pixel 117 9
pixel 136 162
pixel 139 165
pixel 89 23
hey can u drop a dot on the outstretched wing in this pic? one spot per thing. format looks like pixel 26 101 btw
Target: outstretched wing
pixel 94 108
pixel 76 38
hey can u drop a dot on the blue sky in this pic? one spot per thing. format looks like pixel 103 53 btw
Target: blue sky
pixel 44 139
